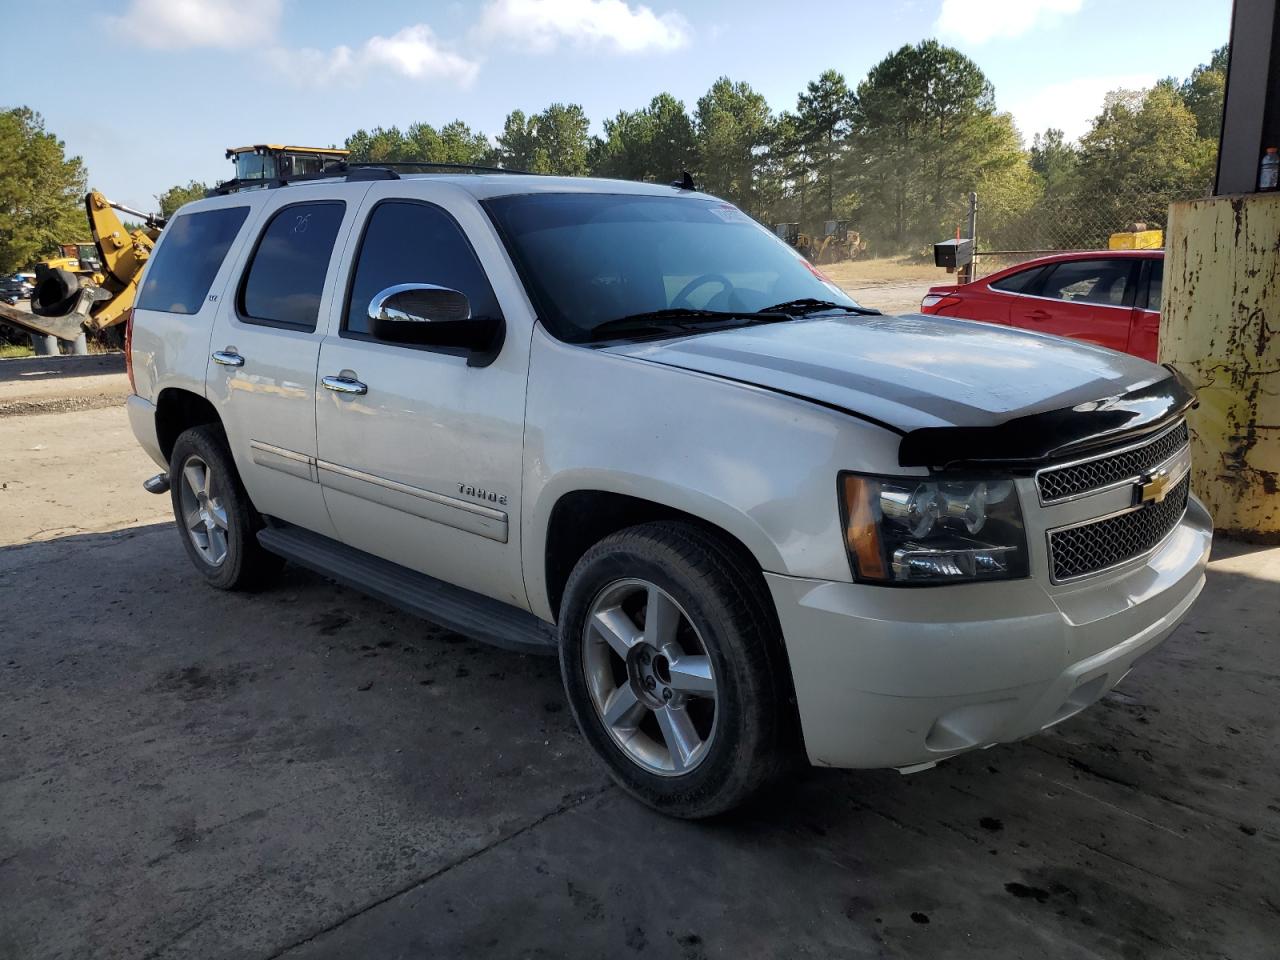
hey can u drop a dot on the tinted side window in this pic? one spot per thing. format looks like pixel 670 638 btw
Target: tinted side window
pixel 408 242
pixel 1088 281
pixel 1155 283
pixel 183 267
pixel 286 276
pixel 1017 282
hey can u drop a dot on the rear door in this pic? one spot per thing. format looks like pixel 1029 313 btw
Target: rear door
pixel 265 346
pixel 1144 325
pixel 997 298
pixel 1085 299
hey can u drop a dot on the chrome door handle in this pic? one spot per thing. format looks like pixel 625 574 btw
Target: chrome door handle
pixel 228 359
pixel 343 385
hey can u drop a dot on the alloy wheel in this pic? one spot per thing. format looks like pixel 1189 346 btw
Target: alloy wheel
pixel 203 511
pixel 649 676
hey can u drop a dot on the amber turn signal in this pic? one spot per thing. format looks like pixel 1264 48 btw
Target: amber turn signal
pixel 862 528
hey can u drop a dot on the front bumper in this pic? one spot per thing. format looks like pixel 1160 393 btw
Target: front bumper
pixel 897 677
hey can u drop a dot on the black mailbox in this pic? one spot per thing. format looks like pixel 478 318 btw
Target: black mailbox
pixel 953 254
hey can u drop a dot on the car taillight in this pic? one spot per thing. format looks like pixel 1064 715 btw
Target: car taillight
pixel 937 300
pixel 128 348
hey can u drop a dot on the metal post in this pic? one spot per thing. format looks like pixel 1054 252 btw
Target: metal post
pixel 80 346
pixel 967 276
pixel 44 345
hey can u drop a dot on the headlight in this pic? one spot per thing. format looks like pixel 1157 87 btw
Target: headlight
pixel 904 530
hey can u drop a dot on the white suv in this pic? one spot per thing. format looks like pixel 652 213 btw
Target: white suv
pixel 623 421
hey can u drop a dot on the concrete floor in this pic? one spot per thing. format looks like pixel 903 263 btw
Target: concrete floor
pixel 308 773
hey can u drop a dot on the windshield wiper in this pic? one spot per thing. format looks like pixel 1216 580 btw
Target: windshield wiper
pixel 680 320
pixel 810 305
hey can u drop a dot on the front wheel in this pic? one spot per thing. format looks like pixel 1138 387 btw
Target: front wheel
pixel 673 669
pixel 217 522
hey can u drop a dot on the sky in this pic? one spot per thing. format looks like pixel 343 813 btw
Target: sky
pixel 151 92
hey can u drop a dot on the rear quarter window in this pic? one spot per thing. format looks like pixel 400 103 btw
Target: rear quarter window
pixel 191 250
pixel 1019 282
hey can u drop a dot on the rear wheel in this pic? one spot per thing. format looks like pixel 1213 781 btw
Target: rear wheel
pixel 217 522
pixel 673 670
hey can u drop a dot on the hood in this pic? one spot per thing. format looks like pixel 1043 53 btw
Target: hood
pixel 923 373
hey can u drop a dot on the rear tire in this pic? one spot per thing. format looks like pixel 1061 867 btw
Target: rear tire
pixel 693 724
pixel 216 521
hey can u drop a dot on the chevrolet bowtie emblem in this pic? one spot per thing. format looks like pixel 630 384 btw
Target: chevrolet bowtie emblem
pixel 1157 484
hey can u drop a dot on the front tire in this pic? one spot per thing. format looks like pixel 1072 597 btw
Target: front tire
pixel 216 521
pixel 673 669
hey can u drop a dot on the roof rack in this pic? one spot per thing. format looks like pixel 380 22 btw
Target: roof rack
pixel 433 165
pixel 353 171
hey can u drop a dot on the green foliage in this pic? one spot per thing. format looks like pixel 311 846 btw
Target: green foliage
pixel 899 155
pixel 176 196
pixel 655 143
pixel 553 141
pixel 824 119
pixel 927 133
pixel 1147 141
pixel 453 143
pixel 1204 94
pixel 41 191
pixel 1054 161
pixel 734 127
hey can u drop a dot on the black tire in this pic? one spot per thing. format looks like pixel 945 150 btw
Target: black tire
pixel 55 293
pixel 754 739
pixel 244 565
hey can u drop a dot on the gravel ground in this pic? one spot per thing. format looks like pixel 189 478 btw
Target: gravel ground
pixel 308 773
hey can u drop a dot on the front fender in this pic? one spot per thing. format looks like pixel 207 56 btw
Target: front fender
pixel 757 464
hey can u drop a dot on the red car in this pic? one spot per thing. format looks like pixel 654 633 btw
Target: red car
pixel 1108 297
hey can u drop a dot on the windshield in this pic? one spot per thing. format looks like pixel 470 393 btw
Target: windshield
pixel 589 258
pixel 255 166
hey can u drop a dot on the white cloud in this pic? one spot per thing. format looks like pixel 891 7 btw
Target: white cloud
pixel 413 52
pixel 540 25
pixel 977 21
pixel 178 24
pixel 1071 105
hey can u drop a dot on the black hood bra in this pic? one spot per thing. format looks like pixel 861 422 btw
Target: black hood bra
pixel 1039 438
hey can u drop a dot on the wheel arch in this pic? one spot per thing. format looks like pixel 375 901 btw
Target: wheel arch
pixel 580 518
pixel 178 410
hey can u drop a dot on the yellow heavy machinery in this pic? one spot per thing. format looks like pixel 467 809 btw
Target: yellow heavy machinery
pixel 836 243
pixel 96 292
pixel 273 161
pixel 76 257
pixel 92 286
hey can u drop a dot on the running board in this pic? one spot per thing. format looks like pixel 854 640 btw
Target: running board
pixel 453 608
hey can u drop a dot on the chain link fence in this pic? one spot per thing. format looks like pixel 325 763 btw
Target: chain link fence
pixel 1008 234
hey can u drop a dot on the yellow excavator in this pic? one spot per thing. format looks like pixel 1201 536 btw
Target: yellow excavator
pixel 95 293
pixel 92 286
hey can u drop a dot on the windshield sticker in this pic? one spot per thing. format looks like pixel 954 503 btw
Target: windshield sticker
pixel 729 213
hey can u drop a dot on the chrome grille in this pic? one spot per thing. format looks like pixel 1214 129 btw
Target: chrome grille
pixel 1100 544
pixel 1073 480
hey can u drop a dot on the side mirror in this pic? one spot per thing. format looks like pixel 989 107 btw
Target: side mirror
pixel 424 314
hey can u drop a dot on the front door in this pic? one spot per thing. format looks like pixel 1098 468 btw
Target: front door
pixel 264 350
pixel 419 454
pixel 1088 299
